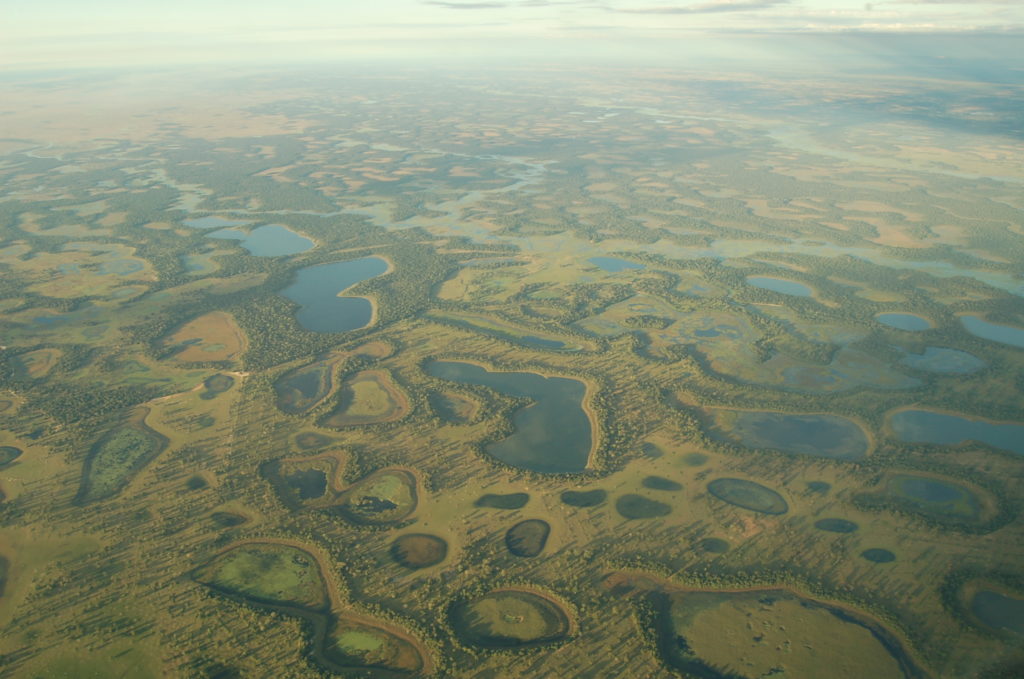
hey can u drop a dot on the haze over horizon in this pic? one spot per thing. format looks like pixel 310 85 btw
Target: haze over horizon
pixel 58 34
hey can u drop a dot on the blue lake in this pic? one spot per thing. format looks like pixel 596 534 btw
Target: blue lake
pixel 941 360
pixel 1006 334
pixel 786 287
pixel 316 289
pixel 272 240
pixel 911 322
pixel 552 435
pixel 614 264
pixel 926 426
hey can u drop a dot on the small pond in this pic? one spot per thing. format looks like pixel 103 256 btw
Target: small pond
pixel 316 288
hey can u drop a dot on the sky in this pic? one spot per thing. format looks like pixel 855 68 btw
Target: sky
pixel 38 34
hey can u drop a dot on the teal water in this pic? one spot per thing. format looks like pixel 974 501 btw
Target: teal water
pixel 926 426
pixel 942 360
pixel 552 435
pixel 781 285
pixel 1006 334
pixel 828 436
pixel 911 322
pixel 614 264
pixel 316 289
pixel 272 240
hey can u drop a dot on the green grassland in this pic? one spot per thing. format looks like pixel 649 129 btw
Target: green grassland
pixel 205 486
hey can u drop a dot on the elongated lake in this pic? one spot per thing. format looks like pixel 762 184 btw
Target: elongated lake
pixel 910 322
pixel 552 435
pixel 943 360
pixel 786 287
pixel 316 289
pixel 927 426
pixel 828 436
pixel 1006 334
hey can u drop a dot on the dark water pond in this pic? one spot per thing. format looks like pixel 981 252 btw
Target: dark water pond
pixel 836 525
pixel 878 555
pixel 507 501
pixel 614 264
pixel 828 436
pixel 926 426
pixel 316 288
pixel 584 498
pixel 911 322
pixel 552 435
pixel 786 287
pixel 942 360
pixel 748 495
pixel 1007 334
pixel 934 497
pixel 272 240
pixel 999 611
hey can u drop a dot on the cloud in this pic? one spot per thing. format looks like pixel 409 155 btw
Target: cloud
pixel 953 2
pixel 714 7
pixel 467 5
pixel 498 4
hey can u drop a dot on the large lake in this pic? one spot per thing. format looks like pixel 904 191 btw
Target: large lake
pixel 829 436
pixel 316 289
pixel 552 435
pixel 272 240
pixel 927 426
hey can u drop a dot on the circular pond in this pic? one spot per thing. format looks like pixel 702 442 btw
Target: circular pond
pixel 419 550
pixel 510 618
